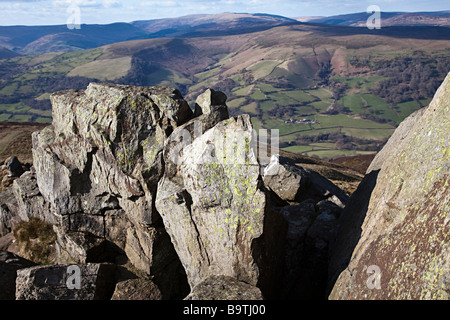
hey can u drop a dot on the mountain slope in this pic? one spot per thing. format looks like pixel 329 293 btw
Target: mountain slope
pixel 6 54
pixel 212 24
pixel 439 18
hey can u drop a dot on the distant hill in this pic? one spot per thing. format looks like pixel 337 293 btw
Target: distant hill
pixel 43 39
pixel 212 24
pixel 6 54
pixel 29 40
pixel 331 90
pixel 388 19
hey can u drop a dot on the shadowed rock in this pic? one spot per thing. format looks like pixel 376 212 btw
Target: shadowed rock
pixel 9 265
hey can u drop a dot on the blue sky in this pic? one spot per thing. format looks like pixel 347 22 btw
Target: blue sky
pixel 50 12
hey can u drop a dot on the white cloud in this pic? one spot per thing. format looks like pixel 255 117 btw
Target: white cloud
pixel 111 4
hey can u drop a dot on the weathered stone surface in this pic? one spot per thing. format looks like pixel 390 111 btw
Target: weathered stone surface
pixel 398 220
pixel 97 282
pixel 30 202
pixel 105 140
pixel 8 212
pixel 212 204
pixel 21 202
pixel 293 183
pixel 212 104
pixel 6 242
pixel 9 264
pixel 136 289
pixel 98 166
pixel 224 288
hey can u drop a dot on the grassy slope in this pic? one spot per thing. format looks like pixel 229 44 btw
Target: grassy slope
pixel 261 72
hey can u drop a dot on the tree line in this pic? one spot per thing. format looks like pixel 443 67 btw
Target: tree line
pixel 410 78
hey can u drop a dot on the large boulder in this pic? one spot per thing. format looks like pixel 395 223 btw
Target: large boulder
pixel 136 289
pixel 97 168
pixel 213 104
pixel 224 288
pixel 293 183
pixel 393 240
pixel 213 206
pixel 66 282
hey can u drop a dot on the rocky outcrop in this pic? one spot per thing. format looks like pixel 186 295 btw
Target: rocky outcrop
pixel 393 240
pixel 10 170
pixel 294 184
pixel 131 175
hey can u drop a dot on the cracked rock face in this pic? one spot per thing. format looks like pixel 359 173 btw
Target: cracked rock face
pixel 212 204
pixel 98 166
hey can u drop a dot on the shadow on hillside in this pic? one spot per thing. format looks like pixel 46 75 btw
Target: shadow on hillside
pixel 410 32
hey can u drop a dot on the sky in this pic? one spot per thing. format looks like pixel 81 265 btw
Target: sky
pixel 57 12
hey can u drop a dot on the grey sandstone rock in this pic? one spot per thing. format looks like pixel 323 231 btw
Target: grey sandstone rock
pixel 136 289
pixel 293 183
pixel 213 104
pixel 97 169
pixel 213 207
pixel 94 282
pixel 224 288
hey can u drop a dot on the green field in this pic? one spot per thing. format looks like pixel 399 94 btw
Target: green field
pixel 263 69
pixel 108 69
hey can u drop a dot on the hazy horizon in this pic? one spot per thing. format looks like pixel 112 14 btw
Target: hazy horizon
pixel 56 12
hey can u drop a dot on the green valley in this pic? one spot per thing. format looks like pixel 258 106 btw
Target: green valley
pixel 331 91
